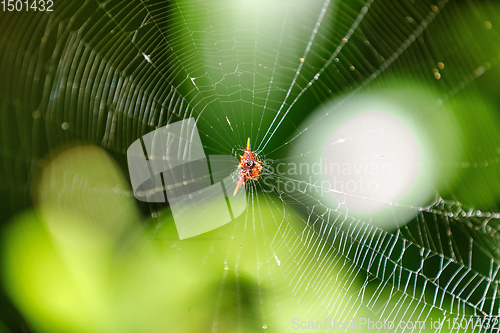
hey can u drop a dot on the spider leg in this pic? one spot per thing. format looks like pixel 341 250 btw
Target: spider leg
pixel 241 181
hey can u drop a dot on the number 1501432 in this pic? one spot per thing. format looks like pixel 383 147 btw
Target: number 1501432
pixel 26 5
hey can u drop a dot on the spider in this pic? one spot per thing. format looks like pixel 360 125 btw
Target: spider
pixel 250 167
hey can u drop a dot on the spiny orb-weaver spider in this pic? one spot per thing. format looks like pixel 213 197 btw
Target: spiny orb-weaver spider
pixel 250 167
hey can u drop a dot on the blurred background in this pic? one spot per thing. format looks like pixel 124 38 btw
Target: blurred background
pixel 81 80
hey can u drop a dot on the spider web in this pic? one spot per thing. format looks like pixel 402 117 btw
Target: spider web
pixel 108 72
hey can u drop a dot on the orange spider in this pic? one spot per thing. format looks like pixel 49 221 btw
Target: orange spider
pixel 249 166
